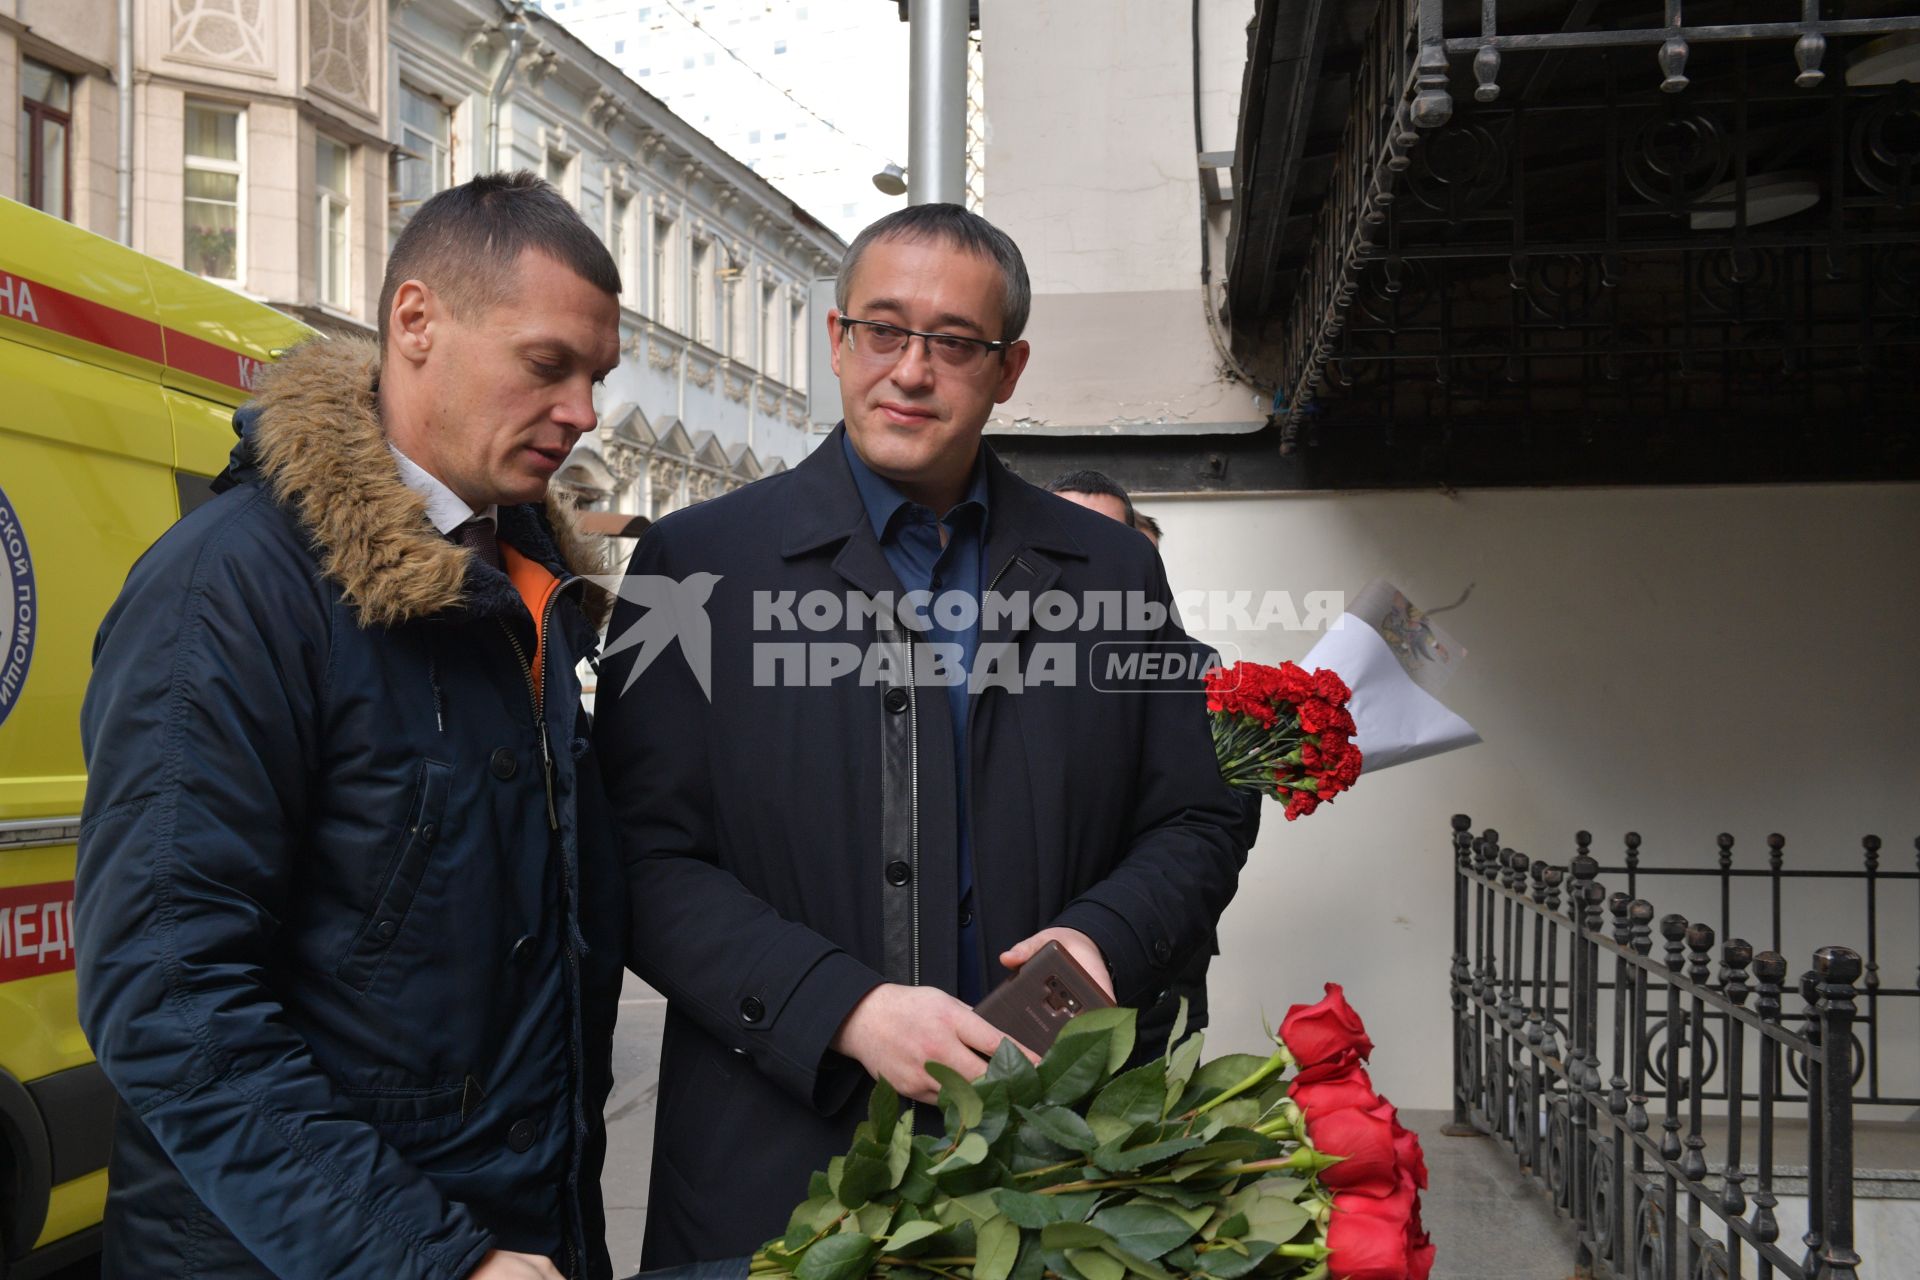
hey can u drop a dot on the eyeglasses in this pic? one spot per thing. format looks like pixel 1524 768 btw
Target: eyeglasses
pixel 885 343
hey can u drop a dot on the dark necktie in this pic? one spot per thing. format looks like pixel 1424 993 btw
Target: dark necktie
pixel 478 537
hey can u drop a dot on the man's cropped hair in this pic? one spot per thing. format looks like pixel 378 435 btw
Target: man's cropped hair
pixel 1093 482
pixel 1147 525
pixel 463 243
pixel 952 225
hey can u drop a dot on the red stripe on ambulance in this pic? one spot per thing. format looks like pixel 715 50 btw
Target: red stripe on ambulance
pixel 36 930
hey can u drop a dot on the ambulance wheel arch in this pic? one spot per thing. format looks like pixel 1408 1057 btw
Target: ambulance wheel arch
pixel 26 1171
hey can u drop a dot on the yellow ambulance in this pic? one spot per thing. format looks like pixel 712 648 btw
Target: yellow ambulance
pixel 118 380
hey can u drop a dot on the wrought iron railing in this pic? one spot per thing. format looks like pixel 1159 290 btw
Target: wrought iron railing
pixel 1609 1111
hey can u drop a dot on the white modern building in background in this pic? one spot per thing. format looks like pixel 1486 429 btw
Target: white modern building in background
pixel 278 148
pixel 810 94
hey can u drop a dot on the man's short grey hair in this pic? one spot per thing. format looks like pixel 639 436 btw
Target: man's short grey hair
pixel 953 225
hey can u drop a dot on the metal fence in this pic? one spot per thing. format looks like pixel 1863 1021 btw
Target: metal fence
pixel 1610 1113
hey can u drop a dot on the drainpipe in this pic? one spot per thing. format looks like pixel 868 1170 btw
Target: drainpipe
pixel 937 102
pixel 123 71
pixel 514 27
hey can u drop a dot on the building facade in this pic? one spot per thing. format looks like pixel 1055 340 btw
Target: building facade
pixel 278 149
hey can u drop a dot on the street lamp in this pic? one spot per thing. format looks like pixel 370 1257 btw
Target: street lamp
pixel 891 180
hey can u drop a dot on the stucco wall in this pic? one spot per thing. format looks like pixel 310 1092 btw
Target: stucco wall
pixel 1678 662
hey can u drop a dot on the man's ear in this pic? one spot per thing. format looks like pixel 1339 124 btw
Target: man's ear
pixel 413 323
pixel 833 338
pixel 1012 363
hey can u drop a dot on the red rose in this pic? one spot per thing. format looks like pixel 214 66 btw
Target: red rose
pixel 1327 1031
pixel 1407 1154
pixel 1365 1247
pixel 1349 1088
pixel 1364 1140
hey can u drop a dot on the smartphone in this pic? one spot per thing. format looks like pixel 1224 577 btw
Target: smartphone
pixel 1047 992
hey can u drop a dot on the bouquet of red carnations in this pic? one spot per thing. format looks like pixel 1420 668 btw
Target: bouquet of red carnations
pixel 1283 732
pixel 1078 1168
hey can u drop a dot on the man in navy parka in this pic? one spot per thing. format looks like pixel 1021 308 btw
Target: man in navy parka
pixel 350 923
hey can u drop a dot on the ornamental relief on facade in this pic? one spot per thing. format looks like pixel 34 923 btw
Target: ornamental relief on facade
pixel 231 33
pixel 339 36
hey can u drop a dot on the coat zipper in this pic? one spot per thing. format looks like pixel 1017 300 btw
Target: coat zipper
pixel 913 799
pixel 536 696
pixel 980 898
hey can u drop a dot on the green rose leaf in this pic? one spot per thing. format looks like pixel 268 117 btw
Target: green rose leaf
pixel 1075 1065
pixel 995 1108
pixel 971 1151
pixel 916 1185
pixel 911 1234
pixel 861 1179
pixel 958 1098
pixel 1149 1230
pixel 1097 1264
pixel 1179 1026
pixel 1063 1126
pixel 1129 1159
pixel 899 1155
pixel 1130 1101
pixel 883 1111
pixel 1229 1264
pixel 1032 1264
pixel 844 1256
pixel 1181 1064
pixel 1027 1210
pixel 1072 1235
pixel 1232 1227
pixel 1275 1218
pixel 1011 1067
pixel 1137 1265
pixel 1118 1022
pixel 996 1249
pixel 1217 1077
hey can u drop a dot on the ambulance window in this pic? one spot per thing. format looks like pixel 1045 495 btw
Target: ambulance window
pixel 46 120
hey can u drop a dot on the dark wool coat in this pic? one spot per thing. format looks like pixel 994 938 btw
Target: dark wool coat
pixel 792 847
pixel 355 988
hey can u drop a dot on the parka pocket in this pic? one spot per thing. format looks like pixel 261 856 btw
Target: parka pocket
pixel 405 871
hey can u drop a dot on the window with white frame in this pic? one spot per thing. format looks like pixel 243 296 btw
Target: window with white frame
pixel 662 270
pixel 797 346
pixel 559 172
pixel 332 166
pixel 700 286
pixel 425 166
pixel 215 184
pixel 769 330
pixel 617 238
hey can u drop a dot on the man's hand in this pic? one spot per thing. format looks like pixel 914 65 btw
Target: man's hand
pixel 501 1265
pixel 1077 944
pixel 895 1031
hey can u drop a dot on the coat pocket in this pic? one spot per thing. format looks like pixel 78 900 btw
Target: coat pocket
pixel 405 871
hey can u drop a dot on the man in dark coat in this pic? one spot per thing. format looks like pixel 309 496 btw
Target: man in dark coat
pixel 350 917
pixel 834 850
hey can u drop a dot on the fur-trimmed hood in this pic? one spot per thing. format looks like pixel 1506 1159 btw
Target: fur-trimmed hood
pixel 314 436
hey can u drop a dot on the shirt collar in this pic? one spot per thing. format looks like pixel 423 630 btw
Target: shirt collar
pixel 884 502
pixel 445 508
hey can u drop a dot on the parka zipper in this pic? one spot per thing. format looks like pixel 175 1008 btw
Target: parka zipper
pixel 913 800
pixel 536 695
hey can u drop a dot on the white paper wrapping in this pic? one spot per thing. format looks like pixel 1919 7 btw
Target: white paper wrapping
pixel 1396 720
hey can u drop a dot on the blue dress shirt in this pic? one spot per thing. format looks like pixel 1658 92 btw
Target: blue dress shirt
pixel 940 554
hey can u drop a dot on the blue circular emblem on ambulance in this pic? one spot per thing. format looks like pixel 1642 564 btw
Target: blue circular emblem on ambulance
pixel 18 616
